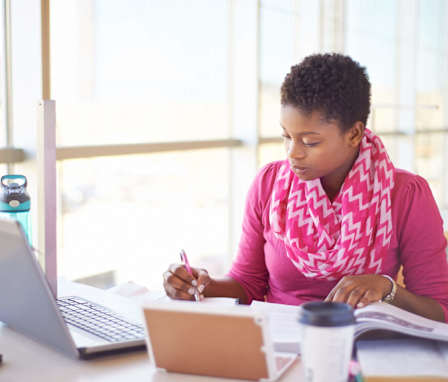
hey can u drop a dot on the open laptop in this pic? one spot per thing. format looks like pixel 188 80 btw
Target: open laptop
pixel 75 326
pixel 227 342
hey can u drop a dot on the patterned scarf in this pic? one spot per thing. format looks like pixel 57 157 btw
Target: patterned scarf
pixel 350 236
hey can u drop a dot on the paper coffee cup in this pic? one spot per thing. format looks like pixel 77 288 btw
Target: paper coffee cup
pixel 327 340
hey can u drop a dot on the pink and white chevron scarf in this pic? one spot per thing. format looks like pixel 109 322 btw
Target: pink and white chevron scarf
pixel 349 236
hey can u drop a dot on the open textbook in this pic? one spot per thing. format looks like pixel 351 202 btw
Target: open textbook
pixel 383 316
pixel 422 357
pixel 286 331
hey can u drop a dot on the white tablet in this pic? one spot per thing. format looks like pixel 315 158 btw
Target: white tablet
pixel 227 341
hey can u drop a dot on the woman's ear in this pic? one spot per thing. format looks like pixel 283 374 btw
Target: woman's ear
pixel 355 134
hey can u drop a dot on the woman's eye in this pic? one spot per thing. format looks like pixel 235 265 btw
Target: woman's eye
pixel 286 136
pixel 310 144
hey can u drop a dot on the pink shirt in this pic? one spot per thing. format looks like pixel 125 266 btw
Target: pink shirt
pixel 263 269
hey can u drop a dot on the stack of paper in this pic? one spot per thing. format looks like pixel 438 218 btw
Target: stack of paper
pixel 283 324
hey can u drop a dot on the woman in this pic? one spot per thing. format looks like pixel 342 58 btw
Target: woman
pixel 336 220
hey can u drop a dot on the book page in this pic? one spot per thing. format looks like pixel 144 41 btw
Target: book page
pixel 284 326
pixel 401 358
pixel 388 317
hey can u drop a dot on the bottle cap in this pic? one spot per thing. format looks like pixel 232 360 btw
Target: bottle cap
pixel 13 194
pixel 319 313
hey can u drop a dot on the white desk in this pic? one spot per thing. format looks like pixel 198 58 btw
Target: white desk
pixel 27 360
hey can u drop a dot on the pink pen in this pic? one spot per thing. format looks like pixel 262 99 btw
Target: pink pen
pixel 184 259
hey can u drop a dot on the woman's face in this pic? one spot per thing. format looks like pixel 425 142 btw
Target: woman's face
pixel 315 147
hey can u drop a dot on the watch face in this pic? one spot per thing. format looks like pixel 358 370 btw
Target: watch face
pixel 390 296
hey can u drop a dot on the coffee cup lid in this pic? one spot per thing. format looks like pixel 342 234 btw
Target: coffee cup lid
pixel 319 313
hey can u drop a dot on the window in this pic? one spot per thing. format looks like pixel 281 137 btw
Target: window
pixel 131 215
pixel 288 33
pixel 144 72
pixel 371 27
pixel 171 75
pixel 141 73
pixel 431 117
pixel 3 87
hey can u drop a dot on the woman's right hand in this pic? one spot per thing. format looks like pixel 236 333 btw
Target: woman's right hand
pixel 180 285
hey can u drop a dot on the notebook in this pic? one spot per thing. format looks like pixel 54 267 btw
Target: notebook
pixel 223 341
pixel 73 325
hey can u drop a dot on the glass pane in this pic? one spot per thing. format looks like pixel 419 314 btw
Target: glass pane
pixel 2 90
pixel 371 40
pixel 139 71
pixel 270 152
pixel 432 55
pixel 430 160
pixel 2 125
pixel 2 107
pixel 289 31
pixel 431 114
pixel 129 216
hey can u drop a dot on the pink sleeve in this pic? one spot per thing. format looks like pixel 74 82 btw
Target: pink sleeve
pixel 249 267
pixel 422 243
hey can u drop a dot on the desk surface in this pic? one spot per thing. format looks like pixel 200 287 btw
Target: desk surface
pixel 25 359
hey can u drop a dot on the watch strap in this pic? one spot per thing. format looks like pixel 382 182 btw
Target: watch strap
pixel 391 295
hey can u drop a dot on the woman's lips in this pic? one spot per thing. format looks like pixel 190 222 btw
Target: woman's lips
pixel 300 170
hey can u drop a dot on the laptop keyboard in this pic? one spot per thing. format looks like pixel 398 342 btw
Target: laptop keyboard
pixel 98 320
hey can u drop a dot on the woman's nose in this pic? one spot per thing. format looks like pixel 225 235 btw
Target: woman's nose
pixel 295 150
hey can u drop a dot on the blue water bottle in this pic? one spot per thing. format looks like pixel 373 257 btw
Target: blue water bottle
pixel 15 201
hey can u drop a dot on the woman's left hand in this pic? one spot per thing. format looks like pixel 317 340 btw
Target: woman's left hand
pixel 360 290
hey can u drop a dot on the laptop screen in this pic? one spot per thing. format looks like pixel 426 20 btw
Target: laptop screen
pixel 26 302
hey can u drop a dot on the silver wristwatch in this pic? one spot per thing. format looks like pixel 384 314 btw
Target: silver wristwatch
pixel 391 295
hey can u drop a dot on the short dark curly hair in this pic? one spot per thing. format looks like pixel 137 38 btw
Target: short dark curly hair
pixel 332 84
